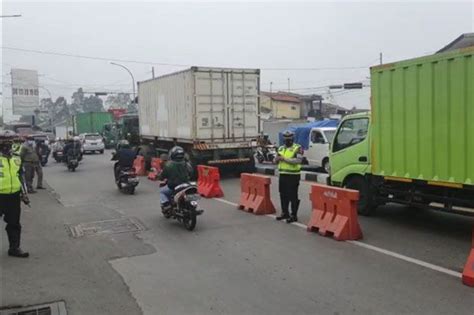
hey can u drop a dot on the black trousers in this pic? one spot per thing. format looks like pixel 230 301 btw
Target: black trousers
pixel 288 186
pixel 10 207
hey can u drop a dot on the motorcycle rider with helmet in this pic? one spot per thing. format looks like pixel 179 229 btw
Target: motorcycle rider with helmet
pixel 72 149
pixel 124 156
pixel 175 172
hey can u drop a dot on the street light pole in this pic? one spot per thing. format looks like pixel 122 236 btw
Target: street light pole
pixel 129 72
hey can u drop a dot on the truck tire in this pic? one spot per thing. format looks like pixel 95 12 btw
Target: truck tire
pixel 325 165
pixel 365 206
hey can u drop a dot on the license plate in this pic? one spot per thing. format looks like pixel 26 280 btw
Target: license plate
pixel 133 179
pixel 93 143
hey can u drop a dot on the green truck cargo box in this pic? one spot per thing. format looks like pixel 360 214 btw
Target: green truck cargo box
pixel 92 122
pixel 423 118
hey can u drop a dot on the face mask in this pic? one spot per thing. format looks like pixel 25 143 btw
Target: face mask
pixel 31 142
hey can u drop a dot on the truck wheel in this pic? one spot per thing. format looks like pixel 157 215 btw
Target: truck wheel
pixel 325 165
pixel 365 205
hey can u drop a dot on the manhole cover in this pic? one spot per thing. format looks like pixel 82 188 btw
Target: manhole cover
pixel 56 308
pixel 114 226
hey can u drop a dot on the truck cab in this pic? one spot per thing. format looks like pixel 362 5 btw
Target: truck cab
pixel 318 149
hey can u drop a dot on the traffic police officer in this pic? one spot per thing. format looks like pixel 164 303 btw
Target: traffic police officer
pixel 11 195
pixel 289 161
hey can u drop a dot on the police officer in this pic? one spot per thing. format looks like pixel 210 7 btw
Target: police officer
pixel 31 163
pixel 289 159
pixel 11 195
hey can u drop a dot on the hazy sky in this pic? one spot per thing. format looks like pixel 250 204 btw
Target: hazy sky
pixel 233 34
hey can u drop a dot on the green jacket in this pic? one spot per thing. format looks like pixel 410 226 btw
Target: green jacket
pixel 28 154
pixel 176 173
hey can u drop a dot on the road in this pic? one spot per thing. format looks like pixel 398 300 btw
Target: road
pixel 233 263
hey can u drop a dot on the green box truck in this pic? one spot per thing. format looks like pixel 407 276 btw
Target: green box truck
pixel 92 122
pixel 416 146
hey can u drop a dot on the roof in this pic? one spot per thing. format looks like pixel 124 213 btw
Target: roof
pixel 283 97
pixel 463 41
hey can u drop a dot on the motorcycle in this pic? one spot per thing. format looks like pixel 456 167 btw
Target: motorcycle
pixel 58 156
pixel 44 158
pixel 265 154
pixel 127 180
pixel 184 205
pixel 72 163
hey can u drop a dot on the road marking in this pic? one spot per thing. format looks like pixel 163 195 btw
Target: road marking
pixel 408 259
pixel 375 248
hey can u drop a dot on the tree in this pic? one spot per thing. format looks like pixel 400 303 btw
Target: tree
pixel 83 104
pixel 120 100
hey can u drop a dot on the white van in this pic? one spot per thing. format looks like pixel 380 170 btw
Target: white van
pixel 318 148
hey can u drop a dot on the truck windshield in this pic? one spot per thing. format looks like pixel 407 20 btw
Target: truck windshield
pixel 351 132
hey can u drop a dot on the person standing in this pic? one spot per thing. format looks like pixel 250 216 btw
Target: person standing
pixel 11 195
pixel 31 163
pixel 289 159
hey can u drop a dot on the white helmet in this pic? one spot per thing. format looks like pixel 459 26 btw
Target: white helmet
pixel 76 138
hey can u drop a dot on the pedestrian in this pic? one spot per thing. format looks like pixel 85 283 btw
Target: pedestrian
pixel 289 159
pixel 11 195
pixel 31 164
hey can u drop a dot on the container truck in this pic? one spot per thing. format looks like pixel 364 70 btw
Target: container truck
pixel 92 122
pixel 416 146
pixel 213 113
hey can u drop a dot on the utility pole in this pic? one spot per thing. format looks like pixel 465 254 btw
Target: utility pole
pixel 153 72
pixel 288 85
pixel 381 58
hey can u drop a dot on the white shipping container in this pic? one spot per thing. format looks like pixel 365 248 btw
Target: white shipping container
pixel 216 105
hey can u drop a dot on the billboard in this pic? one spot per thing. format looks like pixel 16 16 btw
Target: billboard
pixel 25 95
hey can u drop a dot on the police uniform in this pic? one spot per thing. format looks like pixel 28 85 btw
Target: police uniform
pixel 10 199
pixel 289 181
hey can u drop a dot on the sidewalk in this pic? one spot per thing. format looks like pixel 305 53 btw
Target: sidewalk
pixel 63 268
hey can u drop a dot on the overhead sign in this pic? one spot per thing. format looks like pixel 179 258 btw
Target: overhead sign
pixel 25 95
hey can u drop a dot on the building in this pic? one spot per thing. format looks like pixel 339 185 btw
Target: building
pixel 281 105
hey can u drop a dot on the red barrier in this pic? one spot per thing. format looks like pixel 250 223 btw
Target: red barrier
pixel 255 194
pixel 156 166
pixel 468 273
pixel 139 165
pixel 209 182
pixel 334 212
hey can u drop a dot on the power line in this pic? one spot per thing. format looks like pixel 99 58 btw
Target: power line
pixel 53 53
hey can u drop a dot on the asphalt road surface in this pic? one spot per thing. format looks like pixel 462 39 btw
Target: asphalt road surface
pixel 409 261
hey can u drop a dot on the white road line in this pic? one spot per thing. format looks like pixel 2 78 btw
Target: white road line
pixel 408 259
pixel 375 248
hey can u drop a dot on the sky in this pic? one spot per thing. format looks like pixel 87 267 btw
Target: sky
pixel 313 44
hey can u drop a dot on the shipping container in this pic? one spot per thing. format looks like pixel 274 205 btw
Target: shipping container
pixel 205 104
pixel 416 147
pixel 92 122
pixel 213 113
pixel 422 118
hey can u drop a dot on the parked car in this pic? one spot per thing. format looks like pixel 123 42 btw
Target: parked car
pixel 92 142
pixel 318 149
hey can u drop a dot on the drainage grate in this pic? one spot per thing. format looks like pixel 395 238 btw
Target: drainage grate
pixel 114 226
pixel 56 308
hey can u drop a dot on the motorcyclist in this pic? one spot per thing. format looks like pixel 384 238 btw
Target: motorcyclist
pixel 175 172
pixel 124 156
pixel 42 149
pixel 72 149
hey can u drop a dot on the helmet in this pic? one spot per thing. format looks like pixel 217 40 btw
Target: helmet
pixel 7 136
pixel 76 138
pixel 123 144
pixel 177 154
pixel 288 134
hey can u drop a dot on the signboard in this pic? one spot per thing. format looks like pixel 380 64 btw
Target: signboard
pixel 25 95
